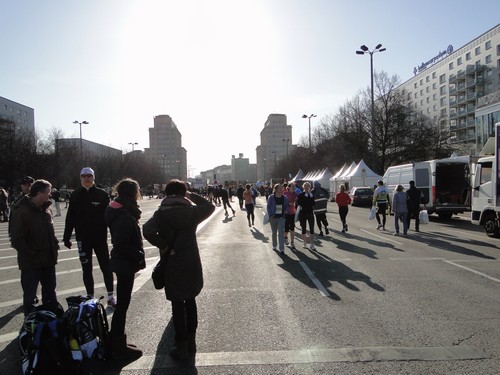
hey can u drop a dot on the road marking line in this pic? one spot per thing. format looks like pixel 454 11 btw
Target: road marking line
pixel 315 280
pixel 473 271
pixel 381 237
pixel 349 354
pixel 416 258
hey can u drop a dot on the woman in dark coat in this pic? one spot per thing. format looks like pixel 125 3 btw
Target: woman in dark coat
pixel 127 257
pixel 173 230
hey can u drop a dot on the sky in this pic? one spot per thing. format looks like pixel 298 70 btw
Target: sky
pixel 217 67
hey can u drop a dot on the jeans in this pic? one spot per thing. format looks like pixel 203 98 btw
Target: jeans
pixel 401 216
pixel 46 276
pixel 185 316
pixel 124 286
pixel 278 231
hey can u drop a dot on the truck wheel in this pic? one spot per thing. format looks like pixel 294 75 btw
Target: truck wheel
pixel 445 215
pixel 491 227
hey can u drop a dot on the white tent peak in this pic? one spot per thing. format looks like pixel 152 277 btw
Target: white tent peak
pixel 360 170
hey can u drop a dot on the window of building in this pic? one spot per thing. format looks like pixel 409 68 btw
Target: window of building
pixel 428 100
pixel 428 111
pixel 421 92
pixel 434 75
pixel 421 103
pixel 442 90
pixel 434 86
pixel 421 82
pixel 478 63
pixel 450 65
pixel 434 108
pixel 459 61
pixel 467 56
pixel 409 96
pixel 443 101
pixel 427 79
pixel 442 78
pixel 477 51
pixel 487 59
pixel 487 45
pixel 428 89
pixel 415 85
pixel 415 95
pixel 434 97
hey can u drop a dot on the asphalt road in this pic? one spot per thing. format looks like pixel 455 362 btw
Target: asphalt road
pixel 365 302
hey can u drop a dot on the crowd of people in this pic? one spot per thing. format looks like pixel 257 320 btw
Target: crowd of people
pixel 172 228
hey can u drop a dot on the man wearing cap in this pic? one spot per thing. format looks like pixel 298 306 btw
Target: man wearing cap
pixel 321 197
pixel 86 216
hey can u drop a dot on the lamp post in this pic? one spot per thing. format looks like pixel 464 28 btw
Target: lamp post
pixel 365 49
pixel 286 140
pixel 309 117
pixel 133 144
pixel 81 143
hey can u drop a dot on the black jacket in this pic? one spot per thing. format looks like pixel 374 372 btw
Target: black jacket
pixel 175 223
pixel 127 254
pixel 33 235
pixel 86 215
pixel 415 197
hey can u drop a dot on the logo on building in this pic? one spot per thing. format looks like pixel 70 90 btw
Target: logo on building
pixel 435 59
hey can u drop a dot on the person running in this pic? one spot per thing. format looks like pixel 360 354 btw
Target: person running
pixel 249 204
pixel 277 207
pixel 127 257
pixel 290 215
pixel 381 201
pixel 224 196
pixel 86 216
pixel 239 193
pixel 305 201
pixel 343 200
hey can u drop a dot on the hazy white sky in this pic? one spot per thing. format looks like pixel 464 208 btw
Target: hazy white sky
pixel 217 67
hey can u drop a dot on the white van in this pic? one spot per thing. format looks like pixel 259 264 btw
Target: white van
pixel 445 183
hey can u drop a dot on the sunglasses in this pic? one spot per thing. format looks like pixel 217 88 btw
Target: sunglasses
pixel 87 175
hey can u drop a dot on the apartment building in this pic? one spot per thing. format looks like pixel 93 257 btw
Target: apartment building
pixel 275 144
pixel 451 87
pixel 165 146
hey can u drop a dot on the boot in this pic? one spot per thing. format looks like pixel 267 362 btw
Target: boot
pixel 180 350
pixel 121 350
pixel 192 343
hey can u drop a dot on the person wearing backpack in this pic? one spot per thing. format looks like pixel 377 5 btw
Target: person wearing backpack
pixel 127 257
pixel 173 230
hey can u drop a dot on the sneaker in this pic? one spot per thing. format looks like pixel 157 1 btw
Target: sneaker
pixel 234 213
pixel 383 228
pixel 321 233
pixel 395 234
pixel 312 247
pixel 343 230
pixel 379 226
pixel 274 248
pixel 249 224
pixel 327 231
pixel 305 245
pixel 112 302
pixel 286 241
pixel 292 246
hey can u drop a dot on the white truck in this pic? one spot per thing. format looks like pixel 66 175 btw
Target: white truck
pixel 486 187
pixel 445 183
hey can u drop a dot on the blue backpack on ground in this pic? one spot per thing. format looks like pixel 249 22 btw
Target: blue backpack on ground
pixel 44 343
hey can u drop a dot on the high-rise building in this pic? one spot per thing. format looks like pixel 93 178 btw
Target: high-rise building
pixel 275 144
pixel 165 146
pixel 452 88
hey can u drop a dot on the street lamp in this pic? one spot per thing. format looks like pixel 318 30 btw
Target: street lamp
pixel 286 140
pixel 309 117
pixel 81 143
pixel 364 49
pixel 133 144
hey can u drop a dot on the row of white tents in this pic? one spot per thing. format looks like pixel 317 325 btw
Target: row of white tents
pixel 350 175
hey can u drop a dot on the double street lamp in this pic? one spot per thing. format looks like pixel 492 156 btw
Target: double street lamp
pixel 81 143
pixel 364 50
pixel 133 144
pixel 309 117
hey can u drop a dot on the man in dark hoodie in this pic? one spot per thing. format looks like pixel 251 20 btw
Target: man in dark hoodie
pixel 33 236
pixel 173 230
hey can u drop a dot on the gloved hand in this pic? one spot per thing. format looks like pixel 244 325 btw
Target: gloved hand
pixel 67 243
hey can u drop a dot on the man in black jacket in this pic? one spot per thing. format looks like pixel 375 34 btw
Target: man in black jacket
pixel 86 216
pixel 415 197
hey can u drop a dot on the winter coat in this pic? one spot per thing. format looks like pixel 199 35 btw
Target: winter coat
pixel 86 215
pixel 173 226
pixel 33 236
pixel 127 254
pixel 306 203
pixel 321 197
pixel 399 205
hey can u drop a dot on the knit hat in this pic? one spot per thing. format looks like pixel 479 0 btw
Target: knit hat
pixel 27 180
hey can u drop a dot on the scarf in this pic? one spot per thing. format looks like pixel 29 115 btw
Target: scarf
pixel 130 205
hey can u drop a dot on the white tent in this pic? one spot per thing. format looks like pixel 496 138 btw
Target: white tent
pixel 335 182
pixel 298 176
pixel 360 175
pixel 333 186
pixel 323 177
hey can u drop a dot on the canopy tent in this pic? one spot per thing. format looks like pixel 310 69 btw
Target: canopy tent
pixel 360 175
pixel 332 179
pixel 323 177
pixel 336 181
pixel 298 176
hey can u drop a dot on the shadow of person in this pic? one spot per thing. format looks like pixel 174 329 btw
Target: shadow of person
pixel 258 235
pixel 164 361
pixel 9 316
pixel 437 240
